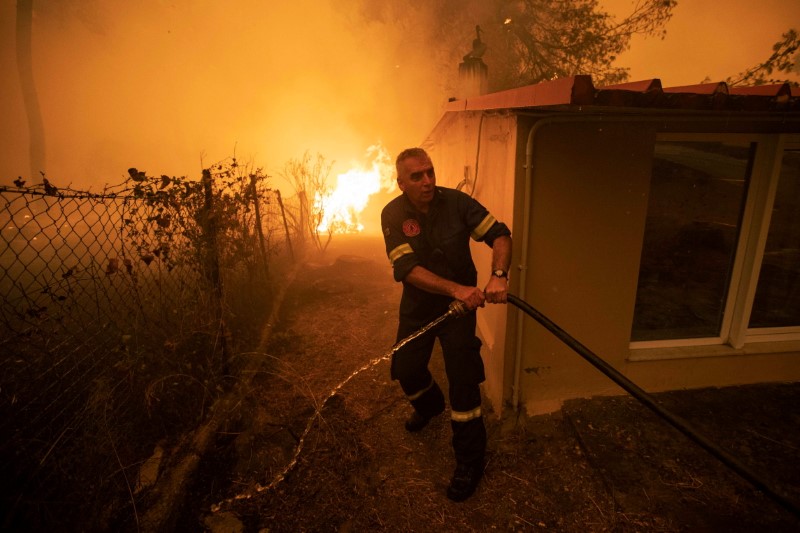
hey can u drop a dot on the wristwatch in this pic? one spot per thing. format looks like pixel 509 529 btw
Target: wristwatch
pixel 500 273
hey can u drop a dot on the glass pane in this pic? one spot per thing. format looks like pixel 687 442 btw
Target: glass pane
pixel 697 193
pixel 777 301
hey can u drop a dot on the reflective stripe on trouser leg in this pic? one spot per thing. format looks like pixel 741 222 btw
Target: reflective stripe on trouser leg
pixel 465 416
pixel 469 432
pixel 424 394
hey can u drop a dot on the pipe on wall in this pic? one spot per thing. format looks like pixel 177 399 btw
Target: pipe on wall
pixel 547 120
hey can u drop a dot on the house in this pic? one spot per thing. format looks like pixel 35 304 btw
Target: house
pixel 660 227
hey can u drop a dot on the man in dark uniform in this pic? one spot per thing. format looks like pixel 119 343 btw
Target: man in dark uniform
pixel 427 231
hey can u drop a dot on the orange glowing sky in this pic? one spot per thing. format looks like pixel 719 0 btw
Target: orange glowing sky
pixel 173 86
pixel 708 38
pixel 165 85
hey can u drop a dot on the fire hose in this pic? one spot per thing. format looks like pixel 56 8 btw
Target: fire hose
pixel 458 308
pixel 645 398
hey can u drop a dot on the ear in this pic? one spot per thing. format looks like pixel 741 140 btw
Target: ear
pixel 400 184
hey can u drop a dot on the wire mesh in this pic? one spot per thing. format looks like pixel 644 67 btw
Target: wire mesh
pixel 113 329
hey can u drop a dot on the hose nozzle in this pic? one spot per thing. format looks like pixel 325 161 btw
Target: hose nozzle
pixel 458 308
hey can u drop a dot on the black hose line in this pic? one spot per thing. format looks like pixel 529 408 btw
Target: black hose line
pixel 677 422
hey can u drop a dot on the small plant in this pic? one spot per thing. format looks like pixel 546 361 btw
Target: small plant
pixel 309 177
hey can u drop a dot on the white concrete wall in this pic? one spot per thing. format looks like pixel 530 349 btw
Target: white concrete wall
pixel 588 207
pixel 587 211
pixel 460 145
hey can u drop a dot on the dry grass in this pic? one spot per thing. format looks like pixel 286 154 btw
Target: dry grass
pixel 600 465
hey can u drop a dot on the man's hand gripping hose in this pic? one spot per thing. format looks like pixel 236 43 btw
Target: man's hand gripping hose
pixel 456 308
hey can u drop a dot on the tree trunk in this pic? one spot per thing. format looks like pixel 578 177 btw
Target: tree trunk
pixel 25 70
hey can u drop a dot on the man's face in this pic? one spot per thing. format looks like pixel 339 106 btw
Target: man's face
pixel 417 180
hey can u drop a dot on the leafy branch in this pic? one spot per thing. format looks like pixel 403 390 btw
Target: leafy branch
pixel 782 60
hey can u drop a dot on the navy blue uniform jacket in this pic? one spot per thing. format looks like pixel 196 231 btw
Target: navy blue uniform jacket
pixel 438 241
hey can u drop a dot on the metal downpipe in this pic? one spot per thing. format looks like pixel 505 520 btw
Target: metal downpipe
pixel 542 121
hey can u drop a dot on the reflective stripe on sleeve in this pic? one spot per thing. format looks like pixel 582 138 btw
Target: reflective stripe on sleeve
pixel 416 395
pixel 400 251
pixel 481 229
pixel 465 416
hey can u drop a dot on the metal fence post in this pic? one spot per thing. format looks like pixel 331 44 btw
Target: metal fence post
pixel 212 265
pixel 285 224
pixel 259 229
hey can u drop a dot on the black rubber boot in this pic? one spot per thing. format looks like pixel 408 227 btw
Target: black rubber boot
pixel 416 421
pixel 465 481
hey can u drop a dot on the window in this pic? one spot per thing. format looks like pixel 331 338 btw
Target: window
pixel 720 260
pixel 777 297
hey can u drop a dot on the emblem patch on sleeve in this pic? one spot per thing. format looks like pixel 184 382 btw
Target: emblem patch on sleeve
pixel 411 228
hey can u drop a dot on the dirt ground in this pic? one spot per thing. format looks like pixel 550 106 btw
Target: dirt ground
pixel 602 464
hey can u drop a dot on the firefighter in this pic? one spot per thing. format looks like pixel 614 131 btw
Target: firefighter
pixel 426 231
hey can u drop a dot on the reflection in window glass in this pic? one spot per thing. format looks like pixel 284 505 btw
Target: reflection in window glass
pixel 697 193
pixel 777 300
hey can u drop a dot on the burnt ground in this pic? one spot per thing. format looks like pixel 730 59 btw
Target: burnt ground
pixel 601 464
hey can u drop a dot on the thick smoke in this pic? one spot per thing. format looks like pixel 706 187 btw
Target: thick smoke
pixel 172 87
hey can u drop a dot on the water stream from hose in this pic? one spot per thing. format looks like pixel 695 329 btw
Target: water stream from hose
pixel 456 308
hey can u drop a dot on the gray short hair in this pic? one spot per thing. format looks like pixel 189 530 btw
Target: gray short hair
pixel 409 152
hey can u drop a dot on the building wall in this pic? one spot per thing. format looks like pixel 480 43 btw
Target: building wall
pixel 477 152
pixel 587 209
pixel 577 216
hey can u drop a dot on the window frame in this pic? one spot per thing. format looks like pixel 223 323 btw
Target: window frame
pixel 745 334
pixel 754 227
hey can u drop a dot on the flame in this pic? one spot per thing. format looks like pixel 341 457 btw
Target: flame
pixel 341 207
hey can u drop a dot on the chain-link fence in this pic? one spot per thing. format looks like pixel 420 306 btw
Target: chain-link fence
pixel 120 312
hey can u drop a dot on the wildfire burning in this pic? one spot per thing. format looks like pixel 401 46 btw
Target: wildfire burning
pixel 341 207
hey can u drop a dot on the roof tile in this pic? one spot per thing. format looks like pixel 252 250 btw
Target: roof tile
pixel 580 91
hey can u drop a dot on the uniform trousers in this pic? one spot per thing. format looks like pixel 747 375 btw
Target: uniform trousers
pixel 464 370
